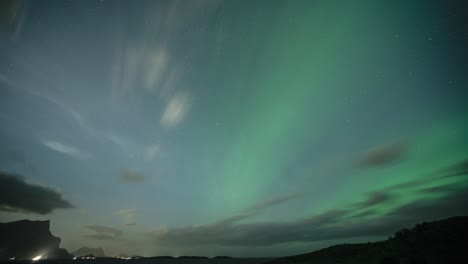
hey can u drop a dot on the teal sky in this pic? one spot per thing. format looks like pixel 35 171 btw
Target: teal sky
pixel 243 128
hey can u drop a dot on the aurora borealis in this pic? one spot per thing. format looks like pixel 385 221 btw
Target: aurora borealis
pixel 243 128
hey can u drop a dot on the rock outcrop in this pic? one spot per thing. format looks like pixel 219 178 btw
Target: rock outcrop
pixel 96 252
pixel 27 239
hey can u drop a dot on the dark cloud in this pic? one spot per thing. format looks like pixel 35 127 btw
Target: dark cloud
pixel 437 189
pixel 451 204
pixel 328 217
pixel 104 229
pixel 455 170
pixel 132 176
pixel 409 184
pixel 17 195
pixel 103 232
pixel 383 155
pixel 258 207
pixel 274 201
pixel 333 224
pixel 235 218
pixel 458 169
pixel 364 213
pixel 256 234
pixel 100 237
pixel 375 198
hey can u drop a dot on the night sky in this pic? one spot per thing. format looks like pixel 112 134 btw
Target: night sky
pixel 242 128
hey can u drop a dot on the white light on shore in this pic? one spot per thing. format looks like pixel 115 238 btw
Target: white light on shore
pixel 37 258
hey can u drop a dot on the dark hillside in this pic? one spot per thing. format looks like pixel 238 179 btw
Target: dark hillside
pixel 444 241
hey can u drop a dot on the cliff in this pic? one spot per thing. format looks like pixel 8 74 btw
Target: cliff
pixel 27 239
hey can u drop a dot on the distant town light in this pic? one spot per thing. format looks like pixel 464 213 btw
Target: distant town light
pixel 37 258
pixel 12 258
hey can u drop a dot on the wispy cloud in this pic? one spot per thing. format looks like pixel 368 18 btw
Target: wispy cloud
pixel 100 236
pixel 151 152
pixel 157 65
pixel 126 212
pixel 103 232
pixel 176 109
pixel 65 149
pixel 333 224
pixel 274 201
pixel 132 177
pixel 72 113
pixel 374 198
pixel 258 207
pixel 84 124
pixel 460 168
pixel 383 155
pixel 351 221
pixel 128 216
pixel 251 234
pixel 147 64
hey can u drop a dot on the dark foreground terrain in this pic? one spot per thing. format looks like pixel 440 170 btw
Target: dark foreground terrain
pixel 438 242
pixel 153 261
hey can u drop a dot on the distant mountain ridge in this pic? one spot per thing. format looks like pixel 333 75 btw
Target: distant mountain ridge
pixel 97 252
pixel 27 239
pixel 437 242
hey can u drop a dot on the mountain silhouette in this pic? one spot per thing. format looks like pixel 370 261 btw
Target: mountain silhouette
pixel 96 252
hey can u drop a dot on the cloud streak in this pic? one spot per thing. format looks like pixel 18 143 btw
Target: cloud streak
pixel 274 201
pixel 251 234
pixel 176 109
pixel 65 149
pixel 132 177
pixel 103 232
pixel 100 237
pixel 17 195
pixel 458 169
pixel 128 215
pixel 382 155
pixel 374 198
pixel 347 222
pixel 151 152
pixel 329 225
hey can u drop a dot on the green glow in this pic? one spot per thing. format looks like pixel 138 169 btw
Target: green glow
pixel 300 87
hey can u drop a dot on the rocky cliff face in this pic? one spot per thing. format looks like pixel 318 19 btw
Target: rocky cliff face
pixel 27 239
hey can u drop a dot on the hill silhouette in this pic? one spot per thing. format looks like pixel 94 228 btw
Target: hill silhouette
pixel 443 242
pixel 96 252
